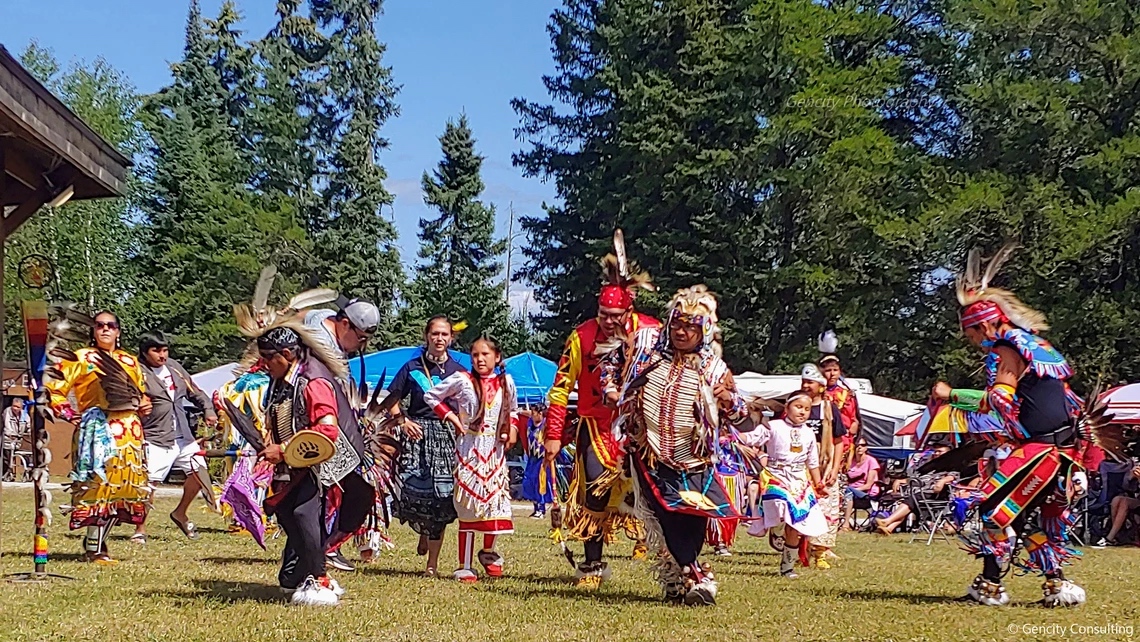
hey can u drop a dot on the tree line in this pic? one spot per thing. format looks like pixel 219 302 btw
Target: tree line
pixel 828 164
pixel 820 164
pixel 263 151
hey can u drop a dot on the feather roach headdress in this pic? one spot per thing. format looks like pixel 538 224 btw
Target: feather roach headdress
pixel 258 317
pixel 622 278
pixel 982 302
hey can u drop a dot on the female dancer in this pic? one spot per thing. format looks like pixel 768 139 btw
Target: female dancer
pixel 427 468
pixel 109 478
pixel 537 487
pixel 793 466
pixel 484 408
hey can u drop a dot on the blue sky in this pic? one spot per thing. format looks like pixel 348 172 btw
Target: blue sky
pixel 449 56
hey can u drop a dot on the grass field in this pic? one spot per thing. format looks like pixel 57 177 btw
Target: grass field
pixel 223 588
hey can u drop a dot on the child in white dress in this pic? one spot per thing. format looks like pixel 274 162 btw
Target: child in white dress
pixel 488 406
pixel 792 483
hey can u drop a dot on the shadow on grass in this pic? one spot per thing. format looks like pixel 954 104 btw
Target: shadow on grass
pixel 240 560
pixel 229 592
pixel 767 553
pixel 880 595
pixel 373 569
pixel 561 587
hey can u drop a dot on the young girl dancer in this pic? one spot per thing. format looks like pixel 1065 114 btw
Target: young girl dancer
pixel 486 406
pixel 792 463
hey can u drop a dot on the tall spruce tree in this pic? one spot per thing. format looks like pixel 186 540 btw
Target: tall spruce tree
pixel 459 249
pixel 748 145
pixel 354 95
pixel 208 234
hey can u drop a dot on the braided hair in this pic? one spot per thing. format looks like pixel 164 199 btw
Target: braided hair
pixel 499 371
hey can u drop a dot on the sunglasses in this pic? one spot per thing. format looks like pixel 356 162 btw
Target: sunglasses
pixel 363 335
pixel 110 325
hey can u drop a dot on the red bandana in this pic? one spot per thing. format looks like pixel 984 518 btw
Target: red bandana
pixel 980 312
pixel 615 297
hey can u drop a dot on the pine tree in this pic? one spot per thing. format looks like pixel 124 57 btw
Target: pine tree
pixel 459 249
pixel 208 233
pixel 750 146
pixel 355 96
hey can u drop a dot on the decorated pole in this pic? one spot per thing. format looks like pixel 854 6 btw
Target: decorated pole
pixel 36 271
pixel 36 333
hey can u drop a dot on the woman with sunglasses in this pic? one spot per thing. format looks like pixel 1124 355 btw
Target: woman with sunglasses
pixel 109 476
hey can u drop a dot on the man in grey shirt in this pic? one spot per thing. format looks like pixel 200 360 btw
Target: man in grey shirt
pixel 170 442
pixel 346 332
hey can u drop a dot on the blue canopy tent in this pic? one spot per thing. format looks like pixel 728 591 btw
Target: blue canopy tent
pixel 533 375
pixel 389 362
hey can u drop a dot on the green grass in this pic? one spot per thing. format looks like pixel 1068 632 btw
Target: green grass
pixel 223 588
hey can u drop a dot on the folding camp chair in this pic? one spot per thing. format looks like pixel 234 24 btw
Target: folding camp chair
pixel 933 513
pixel 870 506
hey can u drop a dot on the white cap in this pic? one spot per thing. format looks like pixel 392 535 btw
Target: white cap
pixel 363 315
pixel 810 372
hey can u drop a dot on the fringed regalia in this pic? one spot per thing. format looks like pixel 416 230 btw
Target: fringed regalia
pixel 673 422
pixel 486 407
pixel 788 497
pixel 1038 422
pixel 600 500
pixel 732 470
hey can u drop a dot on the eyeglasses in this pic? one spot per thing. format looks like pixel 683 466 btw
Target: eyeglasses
pixel 860 445
pixel 110 325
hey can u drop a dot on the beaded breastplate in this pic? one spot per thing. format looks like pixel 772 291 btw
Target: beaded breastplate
pixel 668 414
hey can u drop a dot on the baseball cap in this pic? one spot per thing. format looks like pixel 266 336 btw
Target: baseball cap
pixel 810 372
pixel 363 315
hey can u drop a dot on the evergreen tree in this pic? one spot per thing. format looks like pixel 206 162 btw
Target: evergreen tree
pixel 748 145
pixel 208 233
pixel 459 249
pixel 1048 96
pixel 354 95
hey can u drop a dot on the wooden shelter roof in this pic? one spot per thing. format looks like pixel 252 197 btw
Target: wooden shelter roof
pixel 45 148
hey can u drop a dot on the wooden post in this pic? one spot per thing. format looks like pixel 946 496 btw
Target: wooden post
pixel 3 310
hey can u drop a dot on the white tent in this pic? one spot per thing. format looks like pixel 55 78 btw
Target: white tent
pixel 212 379
pixel 1124 403
pixel 881 417
pixel 776 386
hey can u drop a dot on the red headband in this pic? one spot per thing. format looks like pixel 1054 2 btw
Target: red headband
pixel 616 297
pixel 981 312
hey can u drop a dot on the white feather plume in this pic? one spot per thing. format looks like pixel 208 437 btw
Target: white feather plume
pixel 828 342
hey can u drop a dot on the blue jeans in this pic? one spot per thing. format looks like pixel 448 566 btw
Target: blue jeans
pixel 851 491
